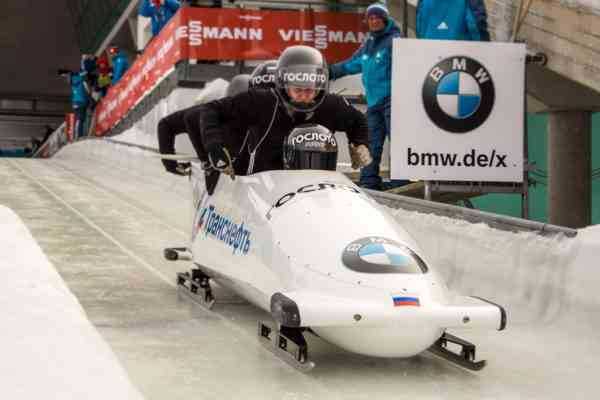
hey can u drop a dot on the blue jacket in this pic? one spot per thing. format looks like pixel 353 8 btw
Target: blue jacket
pixel 452 20
pixel 79 94
pixel 120 65
pixel 374 60
pixel 159 15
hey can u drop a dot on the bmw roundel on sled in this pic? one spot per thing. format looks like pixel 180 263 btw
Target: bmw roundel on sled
pixel 322 257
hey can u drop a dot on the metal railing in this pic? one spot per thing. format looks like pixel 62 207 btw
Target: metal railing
pixel 497 221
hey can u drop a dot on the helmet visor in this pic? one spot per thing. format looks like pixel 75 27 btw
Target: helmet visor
pixel 303 159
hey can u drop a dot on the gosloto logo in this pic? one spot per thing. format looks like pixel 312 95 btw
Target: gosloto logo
pixel 458 94
pixel 304 77
pixel 266 78
pixel 314 136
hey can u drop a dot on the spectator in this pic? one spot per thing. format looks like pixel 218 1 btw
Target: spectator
pixel 120 64
pixel 88 67
pixel 159 11
pixel 80 98
pixel 452 20
pixel 374 60
pixel 104 74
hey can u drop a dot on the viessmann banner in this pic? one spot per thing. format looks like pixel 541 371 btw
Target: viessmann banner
pixel 457 110
pixel 229 34
pixel 238 34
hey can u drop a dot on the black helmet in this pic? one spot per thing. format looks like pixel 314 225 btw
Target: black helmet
pixel 263 76
pixel 238 84
pixel 302 66
pixel 310 146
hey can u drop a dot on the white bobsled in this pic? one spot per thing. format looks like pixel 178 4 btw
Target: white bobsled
pixel 315 251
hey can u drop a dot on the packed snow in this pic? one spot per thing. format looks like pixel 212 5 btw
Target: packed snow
pixel 49 348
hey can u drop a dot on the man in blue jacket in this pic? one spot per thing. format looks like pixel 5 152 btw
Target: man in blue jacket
pixel 160 11
pixel 374 60
pixel 120 63
pixel 80 97
pixel 452 20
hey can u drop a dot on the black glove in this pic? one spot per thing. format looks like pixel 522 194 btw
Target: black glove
pixel 219 159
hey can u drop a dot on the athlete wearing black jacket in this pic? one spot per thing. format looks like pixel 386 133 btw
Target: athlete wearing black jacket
pixel 171 126
pixel 186 121
pixel 264 115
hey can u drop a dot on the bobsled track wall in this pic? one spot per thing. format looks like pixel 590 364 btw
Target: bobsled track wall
pixel 103 212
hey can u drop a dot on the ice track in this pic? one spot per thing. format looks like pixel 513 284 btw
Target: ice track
pixel 102 213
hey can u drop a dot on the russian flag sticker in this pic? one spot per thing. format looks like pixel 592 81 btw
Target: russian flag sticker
pixel 400 301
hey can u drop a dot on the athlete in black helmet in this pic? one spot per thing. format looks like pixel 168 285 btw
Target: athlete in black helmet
pixel 301 96
pixel 302 79
pixel 239 83
pixel 263 76
pixel 310 146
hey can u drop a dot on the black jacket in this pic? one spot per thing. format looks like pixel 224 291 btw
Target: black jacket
pixel 175 124
pixel 187 121
pixel 262 113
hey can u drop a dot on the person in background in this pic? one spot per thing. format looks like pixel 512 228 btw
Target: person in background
pixel 120 64
pixel 374 60
pixel 88 68
pixel 159 11
pixel 80 98
pixel 452 20
pixel 104 74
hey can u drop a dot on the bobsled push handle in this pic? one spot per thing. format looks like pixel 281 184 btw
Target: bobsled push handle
pixel 178 157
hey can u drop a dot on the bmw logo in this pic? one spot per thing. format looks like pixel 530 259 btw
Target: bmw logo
pixel 458 94
pixel 381 256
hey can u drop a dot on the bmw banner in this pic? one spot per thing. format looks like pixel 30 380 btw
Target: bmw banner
pixel 457 110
